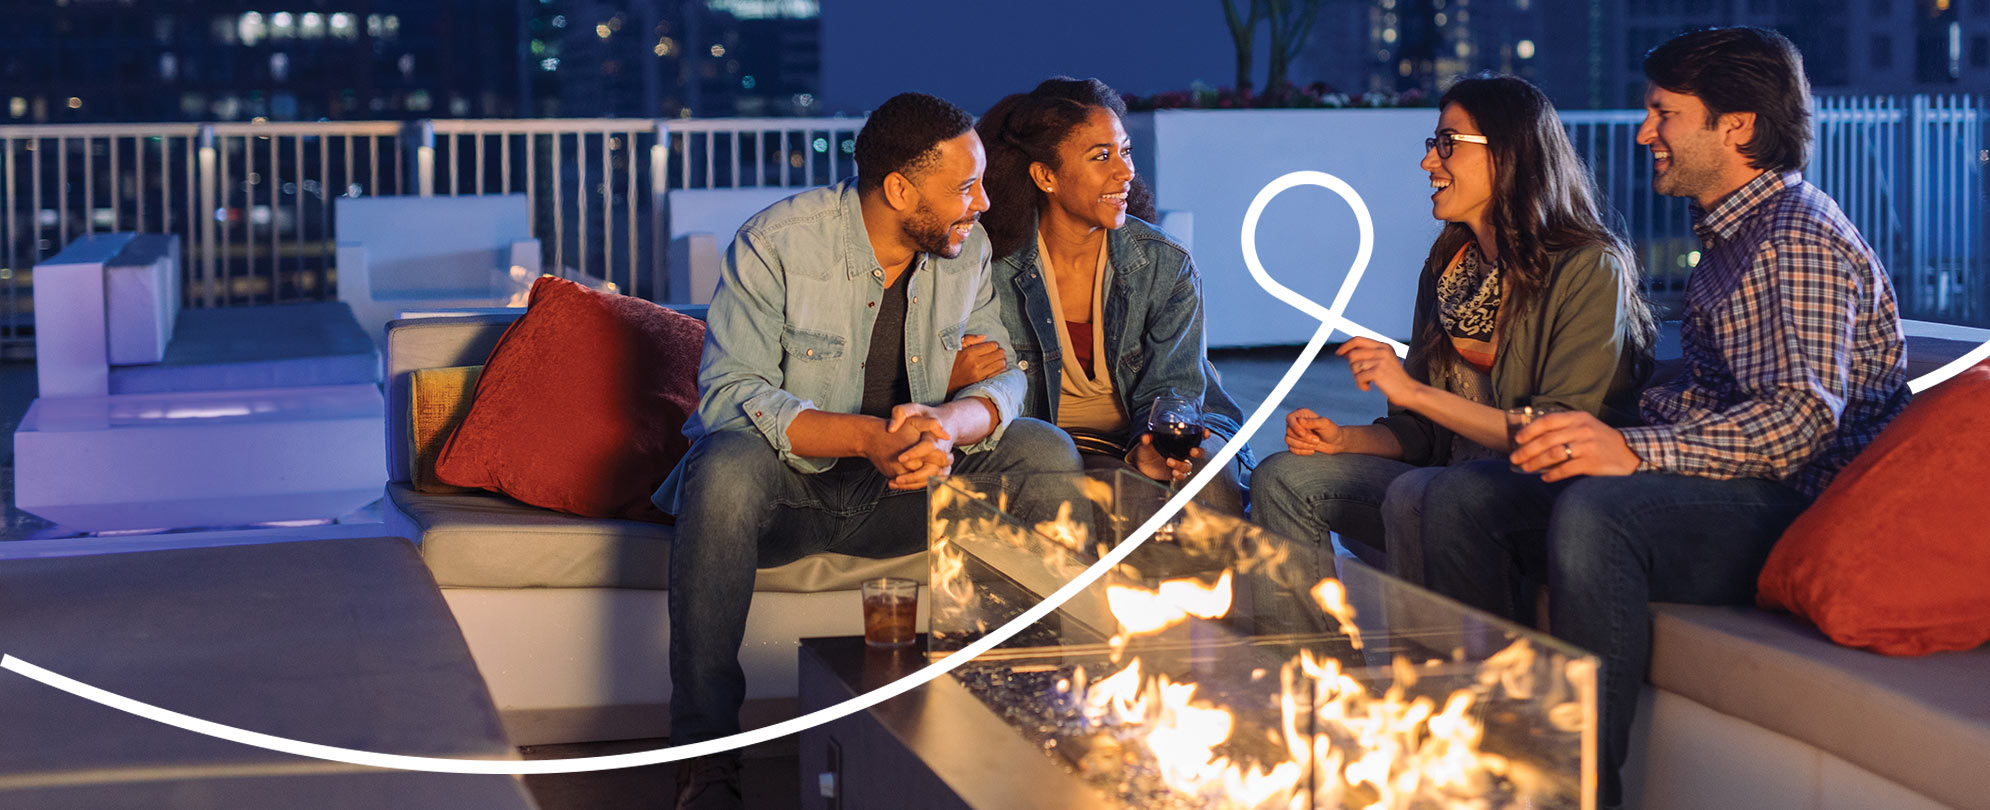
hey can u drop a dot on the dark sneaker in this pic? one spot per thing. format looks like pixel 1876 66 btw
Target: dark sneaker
pixel 709 783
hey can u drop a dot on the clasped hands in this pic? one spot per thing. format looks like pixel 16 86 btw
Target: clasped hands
pixel 912 447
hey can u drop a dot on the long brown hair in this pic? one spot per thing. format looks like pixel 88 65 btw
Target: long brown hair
pixel 1544 201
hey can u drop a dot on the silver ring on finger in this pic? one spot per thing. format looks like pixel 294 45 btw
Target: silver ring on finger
pixel 1568 453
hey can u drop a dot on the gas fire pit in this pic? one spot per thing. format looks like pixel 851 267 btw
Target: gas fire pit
pixel 1223 667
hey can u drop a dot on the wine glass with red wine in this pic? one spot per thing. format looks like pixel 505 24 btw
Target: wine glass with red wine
pixel 1176 427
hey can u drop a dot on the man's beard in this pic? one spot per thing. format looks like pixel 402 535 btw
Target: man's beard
pixel 929 234
pixel 1683 179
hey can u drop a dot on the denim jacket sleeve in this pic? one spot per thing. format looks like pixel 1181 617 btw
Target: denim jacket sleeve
pixel 1173 343
pixel 1006 389
pixel 739 376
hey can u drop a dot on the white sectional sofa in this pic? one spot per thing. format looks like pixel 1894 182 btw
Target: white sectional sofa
pixel 567 616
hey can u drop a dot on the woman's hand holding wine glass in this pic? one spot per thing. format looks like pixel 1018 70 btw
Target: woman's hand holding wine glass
pixel 1173 442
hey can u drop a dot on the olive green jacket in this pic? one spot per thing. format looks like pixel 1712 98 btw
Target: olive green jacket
pixel 1575 351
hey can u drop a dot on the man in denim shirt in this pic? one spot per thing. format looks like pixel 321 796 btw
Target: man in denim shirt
pixel 823 403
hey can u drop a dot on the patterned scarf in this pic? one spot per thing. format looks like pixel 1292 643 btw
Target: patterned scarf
pixel 1468 295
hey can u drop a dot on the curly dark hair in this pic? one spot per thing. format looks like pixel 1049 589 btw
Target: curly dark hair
pixel 1544 201
pixel 1743 69
pixel 1027 128
pixel 903 135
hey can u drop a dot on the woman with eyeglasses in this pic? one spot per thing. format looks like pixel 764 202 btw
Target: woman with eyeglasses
pixel 1105 310
pixel 1527 298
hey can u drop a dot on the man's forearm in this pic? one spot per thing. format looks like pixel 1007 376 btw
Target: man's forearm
pixel 822 434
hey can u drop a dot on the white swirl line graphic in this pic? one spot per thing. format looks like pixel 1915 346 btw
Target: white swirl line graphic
pixel 1330 319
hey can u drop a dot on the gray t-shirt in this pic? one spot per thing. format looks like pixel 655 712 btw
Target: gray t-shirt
pixel 885 383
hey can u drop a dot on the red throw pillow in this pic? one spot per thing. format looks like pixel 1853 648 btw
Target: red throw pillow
pixel 581 406
pixel 1893 556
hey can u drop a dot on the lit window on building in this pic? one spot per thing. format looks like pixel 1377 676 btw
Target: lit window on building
pixel 559 21
pixel 279 67
pixel 768 9
pixel 666 46
pixel 17 107
pixel 374 26
pixel 169 66
pixel 251 28
pixel 601 30
pixel 1525 49
pixel 282 25
pixel 718 50
pixel 1389 35
pixel 407 65
pixel 549 64
pixel 343 26
pixel 75 103
pixel 418 100
pixel 311 26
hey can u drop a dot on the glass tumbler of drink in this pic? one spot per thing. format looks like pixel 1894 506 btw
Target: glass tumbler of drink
pixel 891 611
pixel 1517 418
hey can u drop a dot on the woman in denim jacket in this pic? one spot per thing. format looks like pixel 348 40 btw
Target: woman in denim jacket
pixel 1105 310
pixel 1527 298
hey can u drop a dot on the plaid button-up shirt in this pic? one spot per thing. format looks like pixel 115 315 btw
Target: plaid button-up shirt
pixel 1794 355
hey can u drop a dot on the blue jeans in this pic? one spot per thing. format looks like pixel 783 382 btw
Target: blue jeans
pixel 1371 502
pixel 1607 547
pixel 742 508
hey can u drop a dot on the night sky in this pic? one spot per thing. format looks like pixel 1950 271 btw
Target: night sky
pixel 975 53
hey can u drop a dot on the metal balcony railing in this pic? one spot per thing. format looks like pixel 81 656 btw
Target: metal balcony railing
pixel 253 201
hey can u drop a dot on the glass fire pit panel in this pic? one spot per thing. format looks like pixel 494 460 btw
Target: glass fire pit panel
pixel 1221 666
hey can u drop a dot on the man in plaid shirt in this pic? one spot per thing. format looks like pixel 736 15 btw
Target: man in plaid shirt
pixel 1794 361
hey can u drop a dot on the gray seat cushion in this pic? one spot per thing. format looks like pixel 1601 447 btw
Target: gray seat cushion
pixel 1923 722
pixel 232 348
pixel 486 540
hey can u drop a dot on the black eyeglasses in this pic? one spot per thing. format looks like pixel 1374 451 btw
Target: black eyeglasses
pixel 1443 143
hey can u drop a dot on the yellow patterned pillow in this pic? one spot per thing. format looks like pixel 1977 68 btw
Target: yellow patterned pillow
pixel 438 398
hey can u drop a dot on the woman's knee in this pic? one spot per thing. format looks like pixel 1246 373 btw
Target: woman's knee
pixel 1039 445
pixel 1464 488
pixel 1404 498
